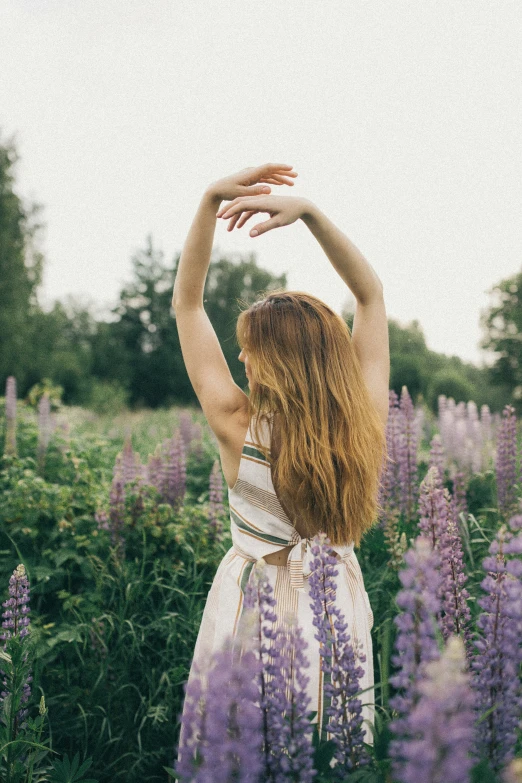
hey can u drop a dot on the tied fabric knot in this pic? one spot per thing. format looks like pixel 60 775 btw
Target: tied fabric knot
pixel 301 557
pixel 299 563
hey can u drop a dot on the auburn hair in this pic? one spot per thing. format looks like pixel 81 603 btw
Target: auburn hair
pixel 333 442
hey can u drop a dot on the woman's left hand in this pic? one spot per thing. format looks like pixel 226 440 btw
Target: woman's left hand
pixel 244 182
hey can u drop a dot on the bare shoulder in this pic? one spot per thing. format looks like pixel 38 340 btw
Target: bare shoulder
pixel 371 343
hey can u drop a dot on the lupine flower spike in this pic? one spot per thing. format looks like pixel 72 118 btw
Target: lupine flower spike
pixel 497 663
pixel 221 734
pixel 437 458
pixel 437 524
pixel 340 660
pixel 287 732
pixel 443 720
pixel 389 486
pixel 16 624
pixel 416 642
pixel 506 462
pixel 407 455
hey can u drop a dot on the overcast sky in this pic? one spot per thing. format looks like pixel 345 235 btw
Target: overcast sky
pixel 402 119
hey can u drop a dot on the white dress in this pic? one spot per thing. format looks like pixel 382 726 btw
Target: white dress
pixel 260 526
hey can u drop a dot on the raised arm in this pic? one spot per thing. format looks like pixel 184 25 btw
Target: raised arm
pixel 370 324
pixel 347 260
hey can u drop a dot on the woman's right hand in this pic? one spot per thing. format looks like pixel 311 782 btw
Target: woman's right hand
pixel 283 211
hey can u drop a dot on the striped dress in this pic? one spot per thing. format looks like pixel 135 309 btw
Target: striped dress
pixel 259 526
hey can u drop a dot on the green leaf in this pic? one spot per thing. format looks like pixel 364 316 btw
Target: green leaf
pixel 65 771
pixel 323 755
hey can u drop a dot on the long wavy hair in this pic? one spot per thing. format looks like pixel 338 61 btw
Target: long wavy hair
pixel 304 369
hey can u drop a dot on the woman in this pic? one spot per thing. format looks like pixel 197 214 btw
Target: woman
pixel 303 452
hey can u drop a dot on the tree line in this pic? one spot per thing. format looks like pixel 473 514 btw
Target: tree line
pixel 134 356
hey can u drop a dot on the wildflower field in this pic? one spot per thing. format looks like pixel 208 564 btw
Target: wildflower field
pixel 111 532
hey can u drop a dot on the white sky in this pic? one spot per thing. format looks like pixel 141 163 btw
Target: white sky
pixel 402 119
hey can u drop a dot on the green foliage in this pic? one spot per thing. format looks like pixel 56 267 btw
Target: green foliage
pixel 113 630
pixel 21 748
pixel 145 340
pixel 113 636
pixel 66 771
pixel 406 370
pixel 46 387
pixel 413 365
pixel 107 397
pixel 23 752
pixel 451 384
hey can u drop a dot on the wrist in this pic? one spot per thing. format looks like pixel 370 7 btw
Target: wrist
pixel 212 197
pixel 309 211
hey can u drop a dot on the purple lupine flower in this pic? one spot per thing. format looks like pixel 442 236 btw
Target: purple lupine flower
pixel 433 506
pixel 102 519
pixel 117 506
pixel 475 435
pixel 445 425
pixel 506 461
pixel 465 438
pixel 16 618
pixel 186 429
pixel 299 730
pixel 10 415
pixel 442 401
pixel 16 623
pixel 128 461
pixel 287 732
pixel 174 471
pixel 132 471
pixel 462 446
pixel 192 728
pixel 197 441
pixel 216 509
pixel 416 642
pixel 436 523
pixel 44 428
pixel 64 428
pixel 407 456
pixel 437 457
pixel 496 666
pixel 459 504
pixel 222 737
pixel 515 522
pixel 456 615
pixel 389 486
pixel 442 721
pixel 166 470
pixel 339 662
pixel 155 469
pixel 487 424
pixel 452 428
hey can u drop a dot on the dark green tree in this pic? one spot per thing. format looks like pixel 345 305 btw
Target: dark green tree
pixel 60 348
pixel 502 326
pixel 141 349
pixel 20 269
